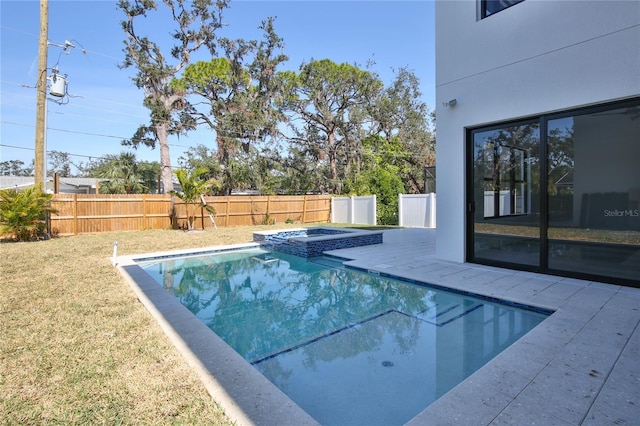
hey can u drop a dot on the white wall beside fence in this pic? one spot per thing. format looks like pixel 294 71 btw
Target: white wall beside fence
pixel 354 210
pixel 417 210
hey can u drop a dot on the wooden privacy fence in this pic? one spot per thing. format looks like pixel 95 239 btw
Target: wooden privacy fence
pixel 88 213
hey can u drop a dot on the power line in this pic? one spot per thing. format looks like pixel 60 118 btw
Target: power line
pixel 90 108
pixel 90 157
pixel 98 157
pixel 80 106
pixel 102 118
pixel 11 82
pixel 15 30
pixel 83 133
pixel 380 151
pixel 86 51
pixel 65 130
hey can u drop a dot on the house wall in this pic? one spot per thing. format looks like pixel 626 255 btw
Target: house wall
pixel 532 58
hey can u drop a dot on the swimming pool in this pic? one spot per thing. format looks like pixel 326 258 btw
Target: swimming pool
pixel 347 346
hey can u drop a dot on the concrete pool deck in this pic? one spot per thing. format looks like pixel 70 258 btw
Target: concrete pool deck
pixel 578 367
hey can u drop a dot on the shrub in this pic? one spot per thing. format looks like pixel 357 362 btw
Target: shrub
pixel 23 214
pixel 193 188
pixel 386 185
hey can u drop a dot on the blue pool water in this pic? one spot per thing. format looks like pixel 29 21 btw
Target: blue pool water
pixel 347 346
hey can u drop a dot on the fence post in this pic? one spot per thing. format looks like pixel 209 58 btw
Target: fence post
pixel 352 209
pixel 75 214
pixel 304 209
pixel 226 217
pixel 332 210
pixel 144 212
pixel 173 216
pixel 432 205
pixel 400 209
pixel 375 210
pixel 267 218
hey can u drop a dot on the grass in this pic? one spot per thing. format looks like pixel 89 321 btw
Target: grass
pixel 78 347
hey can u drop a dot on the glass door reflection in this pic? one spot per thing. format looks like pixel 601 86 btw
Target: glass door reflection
pixel 506 172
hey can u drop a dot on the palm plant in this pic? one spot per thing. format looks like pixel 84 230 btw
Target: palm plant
pixel 193 187
pixel 123 176
pixel 23 214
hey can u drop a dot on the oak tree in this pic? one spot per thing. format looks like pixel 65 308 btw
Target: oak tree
pixel 194 26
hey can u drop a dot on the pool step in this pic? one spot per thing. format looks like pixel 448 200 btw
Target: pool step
pixel 327 261
pixel 265 258
pixel 447 314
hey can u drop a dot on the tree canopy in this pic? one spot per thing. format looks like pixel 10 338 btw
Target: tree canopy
pixel 325 96
pixel 233 95
pixel 195 23
pixel 326 128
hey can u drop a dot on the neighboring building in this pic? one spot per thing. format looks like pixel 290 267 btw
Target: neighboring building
pixel 65 185
pixel 539 155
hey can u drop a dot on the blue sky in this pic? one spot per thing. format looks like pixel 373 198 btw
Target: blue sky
pixel 105 107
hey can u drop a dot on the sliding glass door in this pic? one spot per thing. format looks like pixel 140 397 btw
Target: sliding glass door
pixel 559 194
pixel 594 193
pixel 506 211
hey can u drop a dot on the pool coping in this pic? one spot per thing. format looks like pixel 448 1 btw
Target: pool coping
pixel 554 374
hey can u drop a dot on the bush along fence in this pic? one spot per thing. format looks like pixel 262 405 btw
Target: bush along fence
pixel 89 213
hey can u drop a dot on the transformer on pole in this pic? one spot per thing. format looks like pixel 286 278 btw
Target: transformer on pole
pixel 58 84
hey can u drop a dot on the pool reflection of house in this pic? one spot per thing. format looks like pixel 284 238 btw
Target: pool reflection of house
pixel 542 102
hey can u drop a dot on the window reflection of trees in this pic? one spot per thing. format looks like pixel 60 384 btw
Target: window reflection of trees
pixel 499 156
pixel 560 156
pixel 560 169
pixel 506 170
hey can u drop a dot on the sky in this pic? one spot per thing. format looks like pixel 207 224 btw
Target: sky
pixel 104 106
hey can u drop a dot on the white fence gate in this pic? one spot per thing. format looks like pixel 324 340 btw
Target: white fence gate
pixel 354 210
pixel 417 210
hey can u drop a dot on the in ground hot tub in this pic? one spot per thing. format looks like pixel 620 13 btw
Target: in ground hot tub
pixel 312 242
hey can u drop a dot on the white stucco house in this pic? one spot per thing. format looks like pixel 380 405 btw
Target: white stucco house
pixel 538 121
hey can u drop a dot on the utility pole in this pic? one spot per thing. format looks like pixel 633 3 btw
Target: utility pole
pixel 41 98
